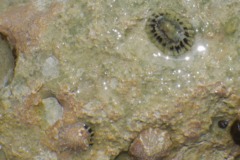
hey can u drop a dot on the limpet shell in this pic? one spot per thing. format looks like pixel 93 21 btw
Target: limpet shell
pixel 170 32
pixel 151 144
pixel 76 136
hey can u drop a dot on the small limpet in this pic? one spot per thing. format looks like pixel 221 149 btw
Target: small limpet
pixel 170 32
pixel 76 137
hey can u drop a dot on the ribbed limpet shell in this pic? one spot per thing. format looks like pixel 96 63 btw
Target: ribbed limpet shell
pixel 151 144
pixel 76 137
pixel 170 32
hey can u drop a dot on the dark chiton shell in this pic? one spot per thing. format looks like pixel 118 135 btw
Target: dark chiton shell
pixel 76 136
pixel 235 131
pixel 170 32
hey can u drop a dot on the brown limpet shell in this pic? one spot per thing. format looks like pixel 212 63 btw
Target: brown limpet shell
pixel 75 137
pixel 170 32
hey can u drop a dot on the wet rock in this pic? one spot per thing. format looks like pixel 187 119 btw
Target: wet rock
pixel 50 68
pixel 231 25
pixel 151 144
pixel 6 62
pixel 54 111
pixel 2 154
pixel 123 156
pixel 46 155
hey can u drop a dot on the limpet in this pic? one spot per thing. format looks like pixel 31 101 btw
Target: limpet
pixel 76 137
pixel 151 144
pixel 170 32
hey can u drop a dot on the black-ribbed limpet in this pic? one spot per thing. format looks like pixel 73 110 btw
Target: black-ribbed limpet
pixel 170 32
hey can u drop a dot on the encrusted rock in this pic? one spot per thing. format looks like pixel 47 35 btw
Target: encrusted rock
pixel 6 62
pixel 151 144
pixel 54 111
pixel 231 25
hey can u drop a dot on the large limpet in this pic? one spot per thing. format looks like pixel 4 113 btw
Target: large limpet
pixel 151 144
pixel 170 32
pixel 76 136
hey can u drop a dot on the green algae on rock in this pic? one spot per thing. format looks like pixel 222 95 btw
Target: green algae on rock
pixel 170 32
pixel 2 154
pixel 7 62
pixel 231 25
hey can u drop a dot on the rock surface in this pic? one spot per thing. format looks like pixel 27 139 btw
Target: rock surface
pixel 95 59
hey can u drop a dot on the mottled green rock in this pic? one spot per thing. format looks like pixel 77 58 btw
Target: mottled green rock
pixel 2 154
pixel 123 156
pixel 231 25
pixel 6 62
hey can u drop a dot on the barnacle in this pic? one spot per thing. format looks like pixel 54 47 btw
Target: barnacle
pixel 76 136
pixel 170 32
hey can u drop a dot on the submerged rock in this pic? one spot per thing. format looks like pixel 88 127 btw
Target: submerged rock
pixel 231 25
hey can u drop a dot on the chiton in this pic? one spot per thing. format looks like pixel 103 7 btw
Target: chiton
pixel 76 137
pixel 170 32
